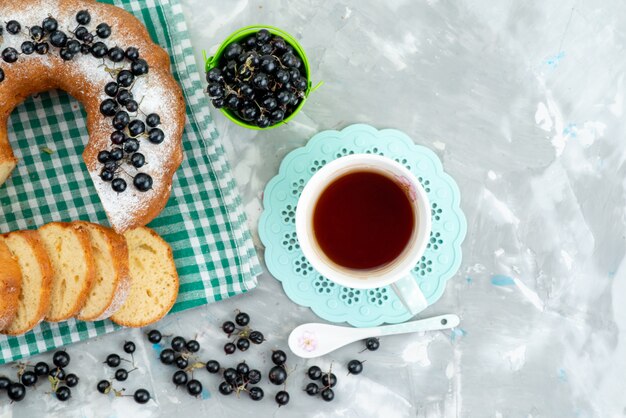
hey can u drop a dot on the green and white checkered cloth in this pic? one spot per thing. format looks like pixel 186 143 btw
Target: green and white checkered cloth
pixel 204 221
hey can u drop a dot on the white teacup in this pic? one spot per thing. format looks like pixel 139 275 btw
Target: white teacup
pixel 397 273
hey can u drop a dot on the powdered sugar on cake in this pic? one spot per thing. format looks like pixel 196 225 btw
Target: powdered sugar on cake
pixel 150 91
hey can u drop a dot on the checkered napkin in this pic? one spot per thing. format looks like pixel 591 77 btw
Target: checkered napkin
pixel 204 220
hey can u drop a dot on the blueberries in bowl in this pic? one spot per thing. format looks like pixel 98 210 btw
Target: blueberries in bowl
pixel 260 80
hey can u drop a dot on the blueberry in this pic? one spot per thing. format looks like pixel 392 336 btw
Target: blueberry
pixel 116 54
pixel 143 183
pixel 256 393
pixel 29 378
pixel 121 120
pixel 139 67
pixel 9 55
pixel 16 392
pixel 328 395
pixel 242 319
pixel 81 32
pixel 243 344
pixel 124 96
pixel 36 32
pixel 279 357
pixel 312 389
pixel 168 356
pixel 218 102
pixel 180 378
pixel 73 46
pixel 141 396
pixel 125 78
pixel 192 346
pixel 282 398
pixel 355 367
pixel 214 75
pixel 41 369
pixel 71 380
pixel 138 160
pixel 129 347
pixel 113 360
pixel 83 17
pixel 329 379
pixel 118 137
pixel 104 156
pixel 13 27
pixel 42 48
pixel 256 337
pixel 154 336
pixel 253 376
pixel 232 51
pixel 263 36
pixel 261 81
pixel 104 386
pixel 111 89
pixel 66 54
pixel 99 50
pixel 136 127
pixel 277 375
pixel 132 106
pixel 314 373
pixel 106 175
pixel 116 155
pixel 103 30
pixel 156 136
pixel 28 47
pixel 49 24
pixel 61 359
pixel 118 185
pixel 225 388
pixel 132 53
pixel 194 387
pixel 268 64
pixel 212 366
pixel 269 102
pixel 153 120
pixel 232 101
pixel 58 38
pixel 215 90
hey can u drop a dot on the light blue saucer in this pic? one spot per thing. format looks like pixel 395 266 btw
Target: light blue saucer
pixel 304 285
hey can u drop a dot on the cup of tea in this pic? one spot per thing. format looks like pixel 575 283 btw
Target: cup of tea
pixel 363 221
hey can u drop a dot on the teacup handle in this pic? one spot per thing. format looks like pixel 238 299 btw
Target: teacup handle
pixel 410 294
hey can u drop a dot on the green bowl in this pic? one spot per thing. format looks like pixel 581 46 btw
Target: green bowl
pixel 212 62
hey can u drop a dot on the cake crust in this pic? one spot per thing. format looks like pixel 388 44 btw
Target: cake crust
pixel 45 269
pixel 121 279
pixel 10 285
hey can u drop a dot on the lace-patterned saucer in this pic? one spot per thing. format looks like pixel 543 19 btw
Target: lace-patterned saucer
pixel 302 283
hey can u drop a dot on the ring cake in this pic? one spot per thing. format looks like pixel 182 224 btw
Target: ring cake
pixel 104 57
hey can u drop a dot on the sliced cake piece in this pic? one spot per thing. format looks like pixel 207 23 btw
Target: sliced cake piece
pixel 10 285
pixel 34 300
pixel 69 250
pixel 112 282
pixel 154 280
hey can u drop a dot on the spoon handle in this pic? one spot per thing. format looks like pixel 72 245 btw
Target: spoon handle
pixel 429 324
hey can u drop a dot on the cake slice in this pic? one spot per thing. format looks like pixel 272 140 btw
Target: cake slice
pixel 34 300
pixel 10 285
pixel 154 280
pixel 112 282
pixel 69 250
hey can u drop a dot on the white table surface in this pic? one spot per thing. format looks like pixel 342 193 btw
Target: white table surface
pixel 523 102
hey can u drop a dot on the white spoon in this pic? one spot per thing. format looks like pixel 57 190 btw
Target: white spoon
pixel 315 340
